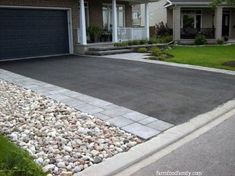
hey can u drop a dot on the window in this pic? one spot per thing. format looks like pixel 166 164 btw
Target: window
pixel 188 21
pixel 107 16
pixel 191 19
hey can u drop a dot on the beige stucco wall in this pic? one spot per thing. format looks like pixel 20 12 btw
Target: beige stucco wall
pixel 170 18
pixel 157 13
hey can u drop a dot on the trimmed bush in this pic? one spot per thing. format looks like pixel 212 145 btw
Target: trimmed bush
pixel 121 44
pixel 153 40
pixel 200 40
pixel 156 52
pixel 143 42
pixel 166 39
pixel 142 50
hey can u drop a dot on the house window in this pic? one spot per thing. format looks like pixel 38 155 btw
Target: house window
pixel 107 16
pixel 191 19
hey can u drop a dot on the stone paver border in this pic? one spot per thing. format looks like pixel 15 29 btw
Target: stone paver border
pixel 138 59
pixel 131 121
pixel 156 144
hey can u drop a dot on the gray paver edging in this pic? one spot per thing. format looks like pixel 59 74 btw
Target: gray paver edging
pixel 131 121
pixel 195 67
pixel 122 161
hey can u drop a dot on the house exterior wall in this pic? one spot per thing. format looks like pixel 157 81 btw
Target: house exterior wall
pixel 232 28
pixel 94 6
pixel 207 18
pixel 157 13
pixel 95 12
pixel 170 18
pixel 136 15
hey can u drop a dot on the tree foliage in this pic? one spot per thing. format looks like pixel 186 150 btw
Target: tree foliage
pixel 220 2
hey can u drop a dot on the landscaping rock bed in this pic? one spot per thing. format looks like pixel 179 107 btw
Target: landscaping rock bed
pixel 59 138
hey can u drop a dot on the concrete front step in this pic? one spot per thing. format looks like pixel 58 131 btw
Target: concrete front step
pixel 108 52
pixel 105 48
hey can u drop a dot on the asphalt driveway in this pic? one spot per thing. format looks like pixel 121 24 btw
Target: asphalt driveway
pixel 168 93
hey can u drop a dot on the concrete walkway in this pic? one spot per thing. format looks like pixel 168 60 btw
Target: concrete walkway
pixel 211 154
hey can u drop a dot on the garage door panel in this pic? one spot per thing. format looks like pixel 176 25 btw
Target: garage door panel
pixel 32 32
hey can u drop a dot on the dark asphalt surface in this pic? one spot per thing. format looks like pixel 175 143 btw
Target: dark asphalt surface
pixel 168 93
pixel 212 154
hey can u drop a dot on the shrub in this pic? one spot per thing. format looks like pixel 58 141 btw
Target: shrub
pixel 200 40
pixel 220 42
pixel 153 40
pixel 142 50
pixel 162 29
pixel 165 39
pixel 142 42
pixel 121 44
pixel 94 32
pixel 156 52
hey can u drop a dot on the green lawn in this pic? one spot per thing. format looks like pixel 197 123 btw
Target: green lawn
pixel 16 162
pixel 208 56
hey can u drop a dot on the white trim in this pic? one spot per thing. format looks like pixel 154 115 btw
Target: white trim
pixel 70 31
pixel 170 4
pixel 69 21
pixel 34 57
pixel 34 7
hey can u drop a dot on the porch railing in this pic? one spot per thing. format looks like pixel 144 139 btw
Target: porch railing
pixel 191 33
pixel 124 33
pixel 131 33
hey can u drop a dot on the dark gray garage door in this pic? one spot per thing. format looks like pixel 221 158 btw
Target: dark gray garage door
pixel 32 32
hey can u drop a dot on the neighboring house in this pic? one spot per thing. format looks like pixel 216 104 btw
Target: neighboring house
pixel 32 28
pixel 187 18
pixel 136 15
pixel 157 13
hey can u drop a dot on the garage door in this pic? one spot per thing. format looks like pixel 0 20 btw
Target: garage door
pixel 32 32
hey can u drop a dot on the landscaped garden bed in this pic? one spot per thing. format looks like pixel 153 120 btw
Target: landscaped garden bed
pixel 60 139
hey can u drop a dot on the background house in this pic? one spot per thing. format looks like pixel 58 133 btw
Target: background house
pixel 188 18
pixel 157 13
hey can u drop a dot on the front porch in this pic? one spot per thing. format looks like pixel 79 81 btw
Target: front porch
pixel 109 25
pixel 214 24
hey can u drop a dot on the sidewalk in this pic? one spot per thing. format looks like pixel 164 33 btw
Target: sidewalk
pixel 211 154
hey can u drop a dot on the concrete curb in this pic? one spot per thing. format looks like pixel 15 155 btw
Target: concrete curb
pixel 122 161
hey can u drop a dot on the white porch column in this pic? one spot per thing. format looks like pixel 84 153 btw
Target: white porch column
pixel 218 23
pixel 83 39
pixel 176 23
pixel 114 25
pixel 146 26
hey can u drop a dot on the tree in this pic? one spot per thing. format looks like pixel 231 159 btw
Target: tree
pixel 227 2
